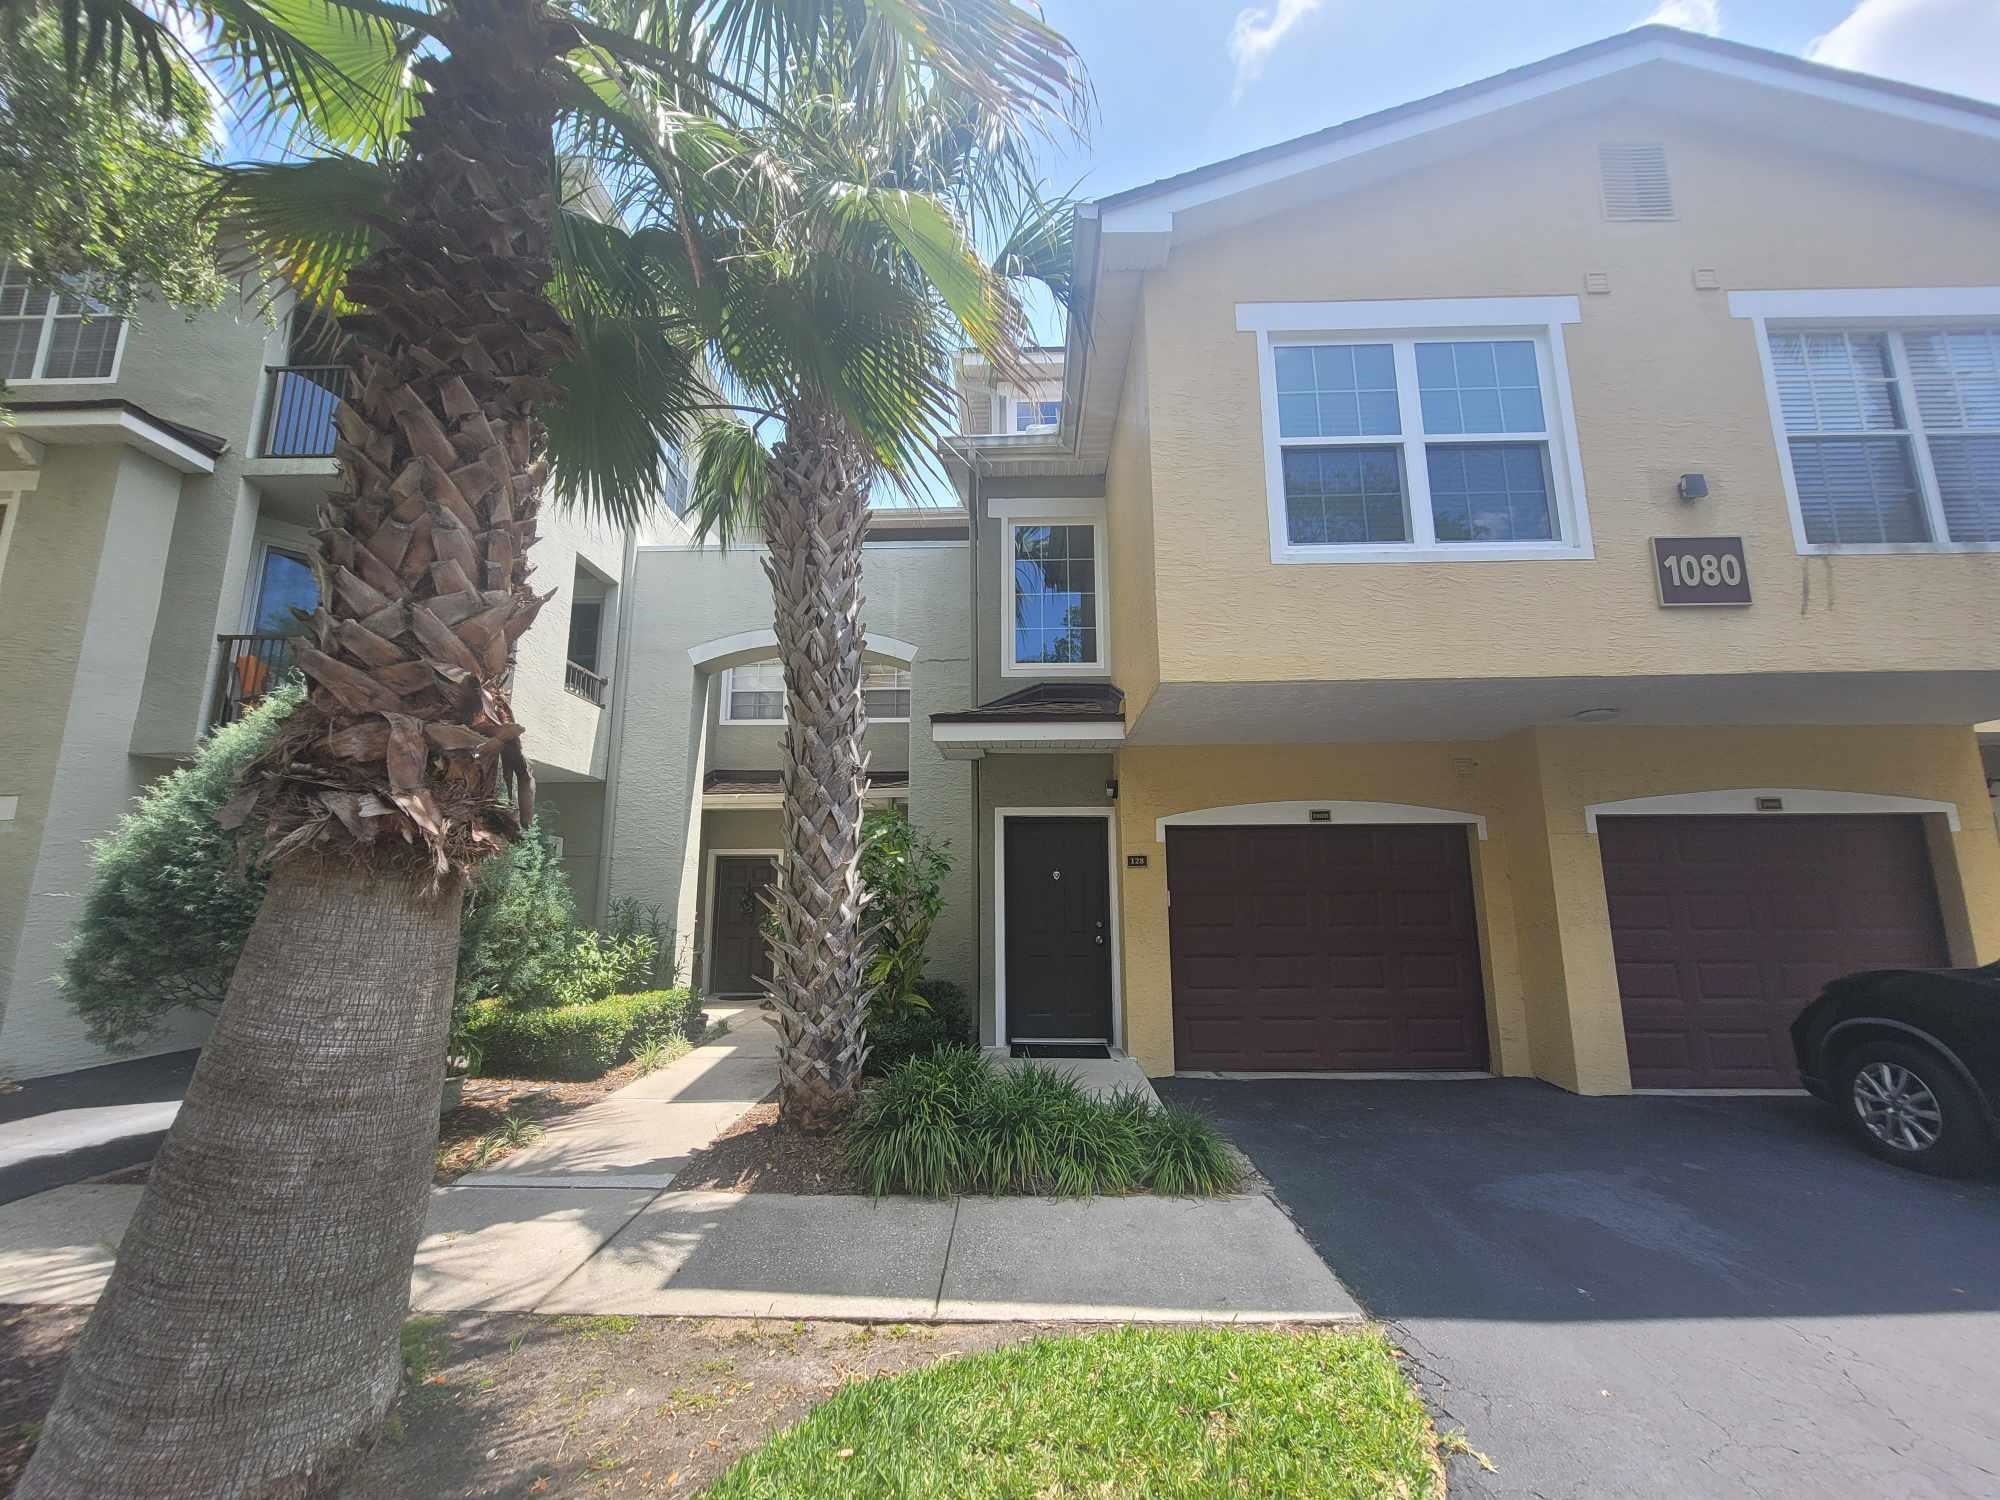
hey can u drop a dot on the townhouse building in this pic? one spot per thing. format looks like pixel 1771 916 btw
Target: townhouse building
pixel 1507 584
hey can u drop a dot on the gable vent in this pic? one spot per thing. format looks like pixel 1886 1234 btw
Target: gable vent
pixel 1636 186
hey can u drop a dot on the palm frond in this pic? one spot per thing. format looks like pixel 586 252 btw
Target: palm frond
pixel 732 474
pixel 631 393
pixel 312 221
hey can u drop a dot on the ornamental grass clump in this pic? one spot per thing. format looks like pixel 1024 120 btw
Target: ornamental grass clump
pixel 950 1122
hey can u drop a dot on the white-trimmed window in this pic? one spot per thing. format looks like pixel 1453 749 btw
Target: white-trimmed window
pixel 1037 416
pixel 755 693
pixel 1442 438
pixel 1056 620
pixel 885 693
pixel 1892 434
pixel 54 334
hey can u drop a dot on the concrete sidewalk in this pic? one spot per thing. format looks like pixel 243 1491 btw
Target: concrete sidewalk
pixel 71 1126
pixel 640 1136
pixel 775 1255
pixel 579 1222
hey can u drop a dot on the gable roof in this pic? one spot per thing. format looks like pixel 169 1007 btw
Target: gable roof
pixel 1602 59
pixel 1758 92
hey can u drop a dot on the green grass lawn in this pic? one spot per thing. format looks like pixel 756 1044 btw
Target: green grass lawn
pixel 1131 1412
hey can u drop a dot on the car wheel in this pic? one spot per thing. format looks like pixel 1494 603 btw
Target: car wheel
pixel 1909 1106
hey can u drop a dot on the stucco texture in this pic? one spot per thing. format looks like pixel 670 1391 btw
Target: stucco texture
pixel 1665 381
pixel 1551 985
pixel 685 597
pixel 77 607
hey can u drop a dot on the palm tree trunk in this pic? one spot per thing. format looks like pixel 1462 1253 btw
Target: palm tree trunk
pixel 814 517
pixel 247 1342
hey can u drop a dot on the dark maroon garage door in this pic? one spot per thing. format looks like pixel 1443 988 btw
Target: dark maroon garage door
pixel 1724 928
pixel 1337 947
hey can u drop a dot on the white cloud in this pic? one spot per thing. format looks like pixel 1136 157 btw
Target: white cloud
pixel 1256 32
pixel 1942 44
pixel 1704 16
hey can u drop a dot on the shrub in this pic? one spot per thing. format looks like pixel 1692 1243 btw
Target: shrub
pixel 593 967
pixel 950 1123
pixel 628 917
pixel 576 1041
pixel 902 883
pixel 172 893
pixel 945 1021
pixel 1185 1155
pixel 519 916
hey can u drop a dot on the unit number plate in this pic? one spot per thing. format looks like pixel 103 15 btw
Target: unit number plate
pixel 1696 570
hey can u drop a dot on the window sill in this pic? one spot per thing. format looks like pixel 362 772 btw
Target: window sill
pixel 1893 549
pixel 1469 552
pixel 1054 669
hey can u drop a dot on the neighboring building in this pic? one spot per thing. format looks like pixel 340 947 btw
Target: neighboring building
pixel 158 483
pixel 1332 580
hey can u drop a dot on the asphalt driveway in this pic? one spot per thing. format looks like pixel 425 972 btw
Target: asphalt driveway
pixel 1650 1296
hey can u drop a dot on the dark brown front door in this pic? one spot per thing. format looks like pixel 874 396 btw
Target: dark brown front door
pixel 1058 938
pixel 1352 948
pixel 1725 928
pixel 740 957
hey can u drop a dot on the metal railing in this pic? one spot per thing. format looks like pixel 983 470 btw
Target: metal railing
pixel 249 667
pixel 585 683
pixel 299 416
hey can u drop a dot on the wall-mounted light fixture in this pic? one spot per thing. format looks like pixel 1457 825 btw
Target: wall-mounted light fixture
pixel 1694 487
pixel 1111 791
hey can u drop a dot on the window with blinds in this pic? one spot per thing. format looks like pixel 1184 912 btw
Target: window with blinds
pixel 755 693
pixel 54 334
pixel 1894 434
pixel 1635 183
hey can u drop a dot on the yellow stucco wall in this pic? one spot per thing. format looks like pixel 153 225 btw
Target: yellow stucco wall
pixel 1551 985
pixel 1664 380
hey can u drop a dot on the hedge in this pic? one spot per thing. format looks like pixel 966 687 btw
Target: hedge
pixel 918 1033
pixel 576 1041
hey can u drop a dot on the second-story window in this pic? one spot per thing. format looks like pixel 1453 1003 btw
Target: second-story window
pixel 1893 435
pixel 1055 598
pixel 1037 415
pixel 1410 444
pixel 54 334
pixel 755 693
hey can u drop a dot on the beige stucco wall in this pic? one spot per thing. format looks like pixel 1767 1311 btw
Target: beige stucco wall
pixel 566 734
pixel 206 371
pixel 683 597
pixel 1128 499
pixel 77 608
pixel 1665 381
pixel 1551 984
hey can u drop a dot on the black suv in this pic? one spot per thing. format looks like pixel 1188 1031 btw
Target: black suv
pixel 1911 1059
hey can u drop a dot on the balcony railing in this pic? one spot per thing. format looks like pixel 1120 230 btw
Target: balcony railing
pixel 584 683
pixel 299 423
pixel 249 667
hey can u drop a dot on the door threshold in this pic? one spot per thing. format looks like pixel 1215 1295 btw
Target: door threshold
pixel 1723 1093
pixel 1425 1075
pixel 1070 1051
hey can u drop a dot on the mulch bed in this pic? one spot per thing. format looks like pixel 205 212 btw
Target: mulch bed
pixel 755 1156
pixel 487 1102
pixel 519 1407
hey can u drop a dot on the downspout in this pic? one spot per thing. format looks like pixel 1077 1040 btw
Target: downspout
pixel 615 748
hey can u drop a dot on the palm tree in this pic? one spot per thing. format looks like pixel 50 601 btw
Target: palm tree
pixel 839 305
pixel 247 1343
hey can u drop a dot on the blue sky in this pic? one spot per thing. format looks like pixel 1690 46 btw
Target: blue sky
pixel 1184 82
